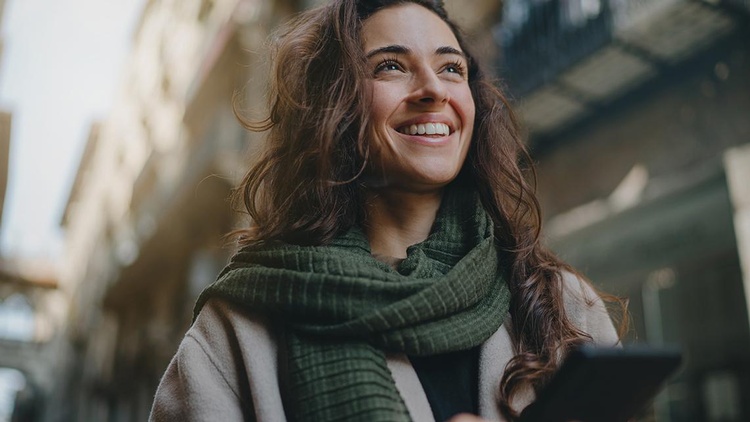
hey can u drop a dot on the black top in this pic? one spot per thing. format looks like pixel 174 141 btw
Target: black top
pixel 450 382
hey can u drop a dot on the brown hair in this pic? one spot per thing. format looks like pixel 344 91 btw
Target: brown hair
pixel 305 189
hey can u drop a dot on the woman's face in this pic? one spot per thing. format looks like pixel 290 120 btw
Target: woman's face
pixel 422 112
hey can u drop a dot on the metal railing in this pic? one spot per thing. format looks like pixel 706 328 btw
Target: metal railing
pixel 539 39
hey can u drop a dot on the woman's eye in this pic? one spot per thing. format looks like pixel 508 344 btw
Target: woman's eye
pixel 456 68
pixel 388 65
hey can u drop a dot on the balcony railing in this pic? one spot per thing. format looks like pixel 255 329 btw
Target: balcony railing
pixel 567 59
pixel 539 39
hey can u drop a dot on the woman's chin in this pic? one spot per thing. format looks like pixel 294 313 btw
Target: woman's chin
pixel 422 184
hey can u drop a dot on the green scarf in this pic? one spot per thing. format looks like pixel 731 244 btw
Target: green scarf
pixel 342 309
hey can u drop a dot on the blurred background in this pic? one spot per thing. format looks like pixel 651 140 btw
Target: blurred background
pixel 119 148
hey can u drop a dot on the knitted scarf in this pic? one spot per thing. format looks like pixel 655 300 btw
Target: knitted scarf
pixel 342 309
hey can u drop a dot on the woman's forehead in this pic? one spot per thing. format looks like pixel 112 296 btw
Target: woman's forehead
pixel 409 25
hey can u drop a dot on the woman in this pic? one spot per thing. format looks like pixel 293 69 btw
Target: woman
pixel 393 270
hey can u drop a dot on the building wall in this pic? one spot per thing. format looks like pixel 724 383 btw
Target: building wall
pixel 149 197
pixel 671 127
pixel 638 200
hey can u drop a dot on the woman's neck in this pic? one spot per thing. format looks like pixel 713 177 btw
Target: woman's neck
pixel 396 220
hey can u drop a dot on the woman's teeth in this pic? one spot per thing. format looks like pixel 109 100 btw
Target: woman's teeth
pixel 425 129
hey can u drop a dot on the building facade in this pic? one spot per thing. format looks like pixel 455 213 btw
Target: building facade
pixel 639 124
pixel 148 208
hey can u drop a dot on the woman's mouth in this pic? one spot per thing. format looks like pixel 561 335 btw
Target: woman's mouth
pixel 440 129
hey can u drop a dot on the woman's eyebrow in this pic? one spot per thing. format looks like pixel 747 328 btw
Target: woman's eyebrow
pixel 393 49
pixel 449 50
pixel 400 49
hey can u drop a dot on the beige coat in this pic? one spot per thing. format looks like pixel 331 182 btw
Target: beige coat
pixel 226 368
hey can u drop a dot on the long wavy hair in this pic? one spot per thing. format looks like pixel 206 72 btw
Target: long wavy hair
pixel 307 187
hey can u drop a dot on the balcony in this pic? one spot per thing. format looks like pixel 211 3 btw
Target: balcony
pixel 567 60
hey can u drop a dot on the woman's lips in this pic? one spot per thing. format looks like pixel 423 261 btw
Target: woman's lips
pixel 425 139
pixel 429 128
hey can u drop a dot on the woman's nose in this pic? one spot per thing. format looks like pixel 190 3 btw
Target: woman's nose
pixel 430 89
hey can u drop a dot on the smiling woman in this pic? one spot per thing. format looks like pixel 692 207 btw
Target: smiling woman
pixel 394 241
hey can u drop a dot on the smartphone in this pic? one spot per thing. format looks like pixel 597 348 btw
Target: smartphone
pixel 597 384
